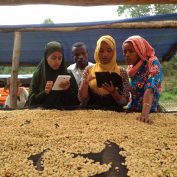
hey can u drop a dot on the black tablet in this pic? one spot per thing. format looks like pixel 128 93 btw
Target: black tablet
pixel 102 77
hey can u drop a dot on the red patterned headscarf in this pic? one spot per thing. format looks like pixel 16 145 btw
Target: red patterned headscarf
pixel 144 51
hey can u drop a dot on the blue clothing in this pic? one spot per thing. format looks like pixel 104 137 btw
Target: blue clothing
pixel 142 80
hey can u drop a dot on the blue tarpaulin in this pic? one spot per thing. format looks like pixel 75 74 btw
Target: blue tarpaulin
pixel 33 43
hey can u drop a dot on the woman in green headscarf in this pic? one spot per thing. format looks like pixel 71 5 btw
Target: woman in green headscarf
pixel 52 65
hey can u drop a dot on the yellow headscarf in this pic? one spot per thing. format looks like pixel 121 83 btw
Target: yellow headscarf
pixel 98 67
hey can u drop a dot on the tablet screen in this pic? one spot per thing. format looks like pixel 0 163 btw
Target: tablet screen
pixel 102 77
pixel 60 78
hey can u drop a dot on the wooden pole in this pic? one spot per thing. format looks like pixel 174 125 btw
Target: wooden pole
pixel 14 71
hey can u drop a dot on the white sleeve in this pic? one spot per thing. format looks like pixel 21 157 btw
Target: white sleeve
pixel 25 92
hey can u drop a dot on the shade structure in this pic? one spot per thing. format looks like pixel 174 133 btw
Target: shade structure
pixel 34 37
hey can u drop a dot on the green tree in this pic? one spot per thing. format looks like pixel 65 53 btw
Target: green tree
pixel 169 84
pixel 143 10
pixel 48 21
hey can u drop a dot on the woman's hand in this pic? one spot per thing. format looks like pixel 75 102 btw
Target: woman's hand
pixel 48 87
pixel 65 85
pixel 147 104
pixel 87 76
pixel 84 85
pixel 109 87
pixel 145 119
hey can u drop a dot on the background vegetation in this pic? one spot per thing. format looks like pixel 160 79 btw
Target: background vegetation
pixel 169 87
pixel 146 10
pixel 22 70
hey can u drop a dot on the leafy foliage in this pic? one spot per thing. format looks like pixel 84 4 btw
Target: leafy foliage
pixel 143 10
pixel 21 70
pixel 48 21
pixel 169 84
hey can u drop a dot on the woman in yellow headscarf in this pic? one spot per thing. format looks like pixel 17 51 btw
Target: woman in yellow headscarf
pixel 107 96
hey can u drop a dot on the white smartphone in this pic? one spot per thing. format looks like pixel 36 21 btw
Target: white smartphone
pixel 60 78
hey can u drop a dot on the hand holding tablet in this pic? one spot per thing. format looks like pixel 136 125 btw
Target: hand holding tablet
pixel 48 87
pixel 60 82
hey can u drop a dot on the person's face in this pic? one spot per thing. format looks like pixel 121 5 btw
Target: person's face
pixel 130 55
pixel 54 60
pixel 105 53
pixel 80 55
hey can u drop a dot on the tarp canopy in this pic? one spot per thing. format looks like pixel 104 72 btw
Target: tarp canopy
pixel 85 2
pixel 34 37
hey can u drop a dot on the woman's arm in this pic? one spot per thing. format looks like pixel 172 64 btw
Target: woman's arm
pixel 147 103
pixel 121 98
pixel 152 90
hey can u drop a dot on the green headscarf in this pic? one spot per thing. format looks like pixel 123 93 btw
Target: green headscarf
pixel 50 74
pixel 44 72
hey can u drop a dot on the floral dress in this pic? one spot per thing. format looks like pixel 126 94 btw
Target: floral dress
pixel 142 80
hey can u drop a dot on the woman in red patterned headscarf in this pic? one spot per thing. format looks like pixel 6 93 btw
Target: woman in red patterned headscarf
pixel 145 74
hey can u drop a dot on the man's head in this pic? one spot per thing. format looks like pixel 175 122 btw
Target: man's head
pixel 80 54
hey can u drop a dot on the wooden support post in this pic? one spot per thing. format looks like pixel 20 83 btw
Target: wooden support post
pixel 14 71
